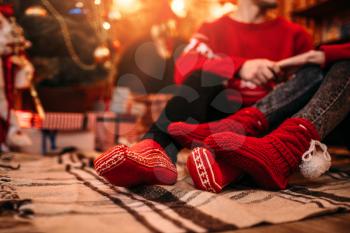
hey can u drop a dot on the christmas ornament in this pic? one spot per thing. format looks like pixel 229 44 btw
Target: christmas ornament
pixel 102 54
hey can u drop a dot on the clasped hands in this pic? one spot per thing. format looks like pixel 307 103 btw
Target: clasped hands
pixel 257 72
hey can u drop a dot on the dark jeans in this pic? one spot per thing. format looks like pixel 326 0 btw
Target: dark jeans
pixel 331 104
pixel 323 99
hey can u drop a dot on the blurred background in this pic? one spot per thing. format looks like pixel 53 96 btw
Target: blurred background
pixel 118 56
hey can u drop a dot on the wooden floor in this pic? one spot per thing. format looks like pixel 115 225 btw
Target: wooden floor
pixel 337 223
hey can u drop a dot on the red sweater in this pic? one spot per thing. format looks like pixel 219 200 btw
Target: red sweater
pixel 233 43
pixel 336 52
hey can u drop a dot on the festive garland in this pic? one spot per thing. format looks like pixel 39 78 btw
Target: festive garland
pixel 67 37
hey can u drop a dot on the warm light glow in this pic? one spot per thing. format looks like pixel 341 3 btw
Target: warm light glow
pixel 97 2
pixel 28 119
pixel 102 53
pixel 36 11
pixel 127 6
pixel 114 14
pixel 179 7
pixel 79 5
pixel 106 26
pixel 219 10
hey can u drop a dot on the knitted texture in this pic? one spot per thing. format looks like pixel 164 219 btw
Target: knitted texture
pixel 209 174
pixel 248 121
pixel 269 160
pixel 145 163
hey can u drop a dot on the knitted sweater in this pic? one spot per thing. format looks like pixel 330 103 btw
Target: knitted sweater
pixel 231 43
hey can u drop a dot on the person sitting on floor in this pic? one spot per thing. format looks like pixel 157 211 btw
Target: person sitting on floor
pixel 231 148
pixel 229 63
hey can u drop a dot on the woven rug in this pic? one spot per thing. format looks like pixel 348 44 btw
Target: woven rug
pixel 64 194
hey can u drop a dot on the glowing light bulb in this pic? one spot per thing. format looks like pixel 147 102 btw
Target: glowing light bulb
pixel 179 7
pixel 102 54
pixel 106 26
pixel 97 2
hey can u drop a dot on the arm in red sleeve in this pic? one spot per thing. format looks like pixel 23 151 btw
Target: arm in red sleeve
pixel 336 52
pixel 226 67
pixel 200 55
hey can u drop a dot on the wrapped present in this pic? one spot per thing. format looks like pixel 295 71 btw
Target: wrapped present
pixel 90 131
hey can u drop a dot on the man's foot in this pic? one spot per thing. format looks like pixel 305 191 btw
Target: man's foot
pixel 146 163
pixel 248 121
pixel 269 160
pixel 209 174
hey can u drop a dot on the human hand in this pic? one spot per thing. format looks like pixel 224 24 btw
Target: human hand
pixel 259 71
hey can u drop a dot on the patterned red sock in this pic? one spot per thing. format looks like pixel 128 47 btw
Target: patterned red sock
pixel 248 121
pixel 269 160
pixel 146 163
pixel 210 174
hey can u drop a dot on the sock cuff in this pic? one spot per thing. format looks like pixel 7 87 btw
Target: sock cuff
pixel 256 114
pixel 307 125
pixel 262 118
pixel 147 144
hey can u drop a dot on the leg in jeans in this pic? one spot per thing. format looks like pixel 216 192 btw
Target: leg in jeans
pixel 290 97
pixel 283 102
pixel 280 104
pixel 272 159
pixel 331 104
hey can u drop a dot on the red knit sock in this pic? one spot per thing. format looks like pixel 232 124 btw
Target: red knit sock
pixel 145 163
pixel 210 174
pixel 269 160
pixel 248 121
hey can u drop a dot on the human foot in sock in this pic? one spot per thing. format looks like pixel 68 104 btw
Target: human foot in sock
pixel 248 121
pixel 269 160
pixel 209 174
pixel 146 163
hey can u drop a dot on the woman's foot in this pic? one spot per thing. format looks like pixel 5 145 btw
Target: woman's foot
pixel 145 163
pixel 269 160
pixel 248 121
pixel 209 174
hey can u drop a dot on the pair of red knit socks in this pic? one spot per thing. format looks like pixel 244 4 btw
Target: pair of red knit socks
pixel 232 148
pixel 208 172
pixel 147 162
pixel 226 155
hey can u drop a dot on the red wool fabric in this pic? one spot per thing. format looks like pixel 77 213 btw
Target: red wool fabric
pixel 146 163
pixel 247 121
pixel 336 52
pixel 234 43
pixel 269 160
pixel 9 90
pixel 209 173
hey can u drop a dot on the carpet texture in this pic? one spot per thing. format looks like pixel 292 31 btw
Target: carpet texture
pixel 64 194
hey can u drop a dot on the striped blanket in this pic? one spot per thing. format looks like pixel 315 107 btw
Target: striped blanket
pixel 64 194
